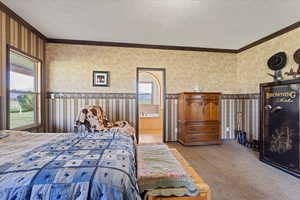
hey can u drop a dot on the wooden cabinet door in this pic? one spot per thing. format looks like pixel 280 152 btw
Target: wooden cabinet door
pixel 197 109
pixel 214 110
pixel 202 110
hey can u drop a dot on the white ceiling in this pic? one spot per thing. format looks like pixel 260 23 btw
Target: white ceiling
pixel 229 24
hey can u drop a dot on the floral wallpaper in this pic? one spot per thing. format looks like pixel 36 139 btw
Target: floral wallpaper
pixel 69 68
pixel 252 66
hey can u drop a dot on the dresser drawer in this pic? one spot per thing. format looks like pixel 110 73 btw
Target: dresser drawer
pixel 201 137
pixel 203 128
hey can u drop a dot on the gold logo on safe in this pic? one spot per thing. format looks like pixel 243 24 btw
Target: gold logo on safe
pixel 290 95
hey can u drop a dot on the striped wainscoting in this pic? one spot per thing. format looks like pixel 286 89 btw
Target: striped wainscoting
pixel 231 105
pixel 248 106
pixel 63 108
pixel 171 117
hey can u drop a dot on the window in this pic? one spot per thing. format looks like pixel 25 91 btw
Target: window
pixel 146 93
pixel 24 91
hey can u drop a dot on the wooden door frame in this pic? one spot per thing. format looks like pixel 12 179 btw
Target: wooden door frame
pixel 164 88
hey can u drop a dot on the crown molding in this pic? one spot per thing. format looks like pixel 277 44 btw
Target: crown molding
pixel 181 48
pixel 19 19
pixel 271 36
pixel 135 45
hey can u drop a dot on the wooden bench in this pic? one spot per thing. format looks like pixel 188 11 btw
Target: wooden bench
pixel 205 193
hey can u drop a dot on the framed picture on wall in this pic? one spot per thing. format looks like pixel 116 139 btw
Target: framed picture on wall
pixel 100 79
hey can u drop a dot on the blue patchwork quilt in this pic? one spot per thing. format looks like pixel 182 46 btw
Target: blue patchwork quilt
pixel 98 166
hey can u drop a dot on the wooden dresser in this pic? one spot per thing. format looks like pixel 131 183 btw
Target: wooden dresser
pixel 199 118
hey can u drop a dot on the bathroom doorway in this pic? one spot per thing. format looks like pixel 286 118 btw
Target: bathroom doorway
pixel 150 104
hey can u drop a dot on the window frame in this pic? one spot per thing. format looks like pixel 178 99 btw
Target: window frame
pixel 38 86
pixel 152 90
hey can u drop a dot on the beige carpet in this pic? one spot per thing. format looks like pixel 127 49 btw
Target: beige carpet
pixel 235 173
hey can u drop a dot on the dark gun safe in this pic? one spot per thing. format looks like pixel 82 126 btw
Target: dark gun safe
pixel 279 127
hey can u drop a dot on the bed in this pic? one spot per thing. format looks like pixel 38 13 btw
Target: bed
pixel 98 165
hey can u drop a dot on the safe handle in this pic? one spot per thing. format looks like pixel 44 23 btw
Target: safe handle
pixel 276 109
pixel 268 107
pixel 273 109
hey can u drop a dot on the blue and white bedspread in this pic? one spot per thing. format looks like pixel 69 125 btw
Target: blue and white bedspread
pixel 96 166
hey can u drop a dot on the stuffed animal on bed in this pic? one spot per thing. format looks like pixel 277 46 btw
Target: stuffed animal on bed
pixel 93 118
pixel 124 126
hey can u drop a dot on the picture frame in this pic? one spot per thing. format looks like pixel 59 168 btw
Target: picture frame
pixel 100 79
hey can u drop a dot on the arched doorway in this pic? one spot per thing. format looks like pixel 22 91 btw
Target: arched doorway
pixel 150 105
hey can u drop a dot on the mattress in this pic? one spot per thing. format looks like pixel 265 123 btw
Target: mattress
pixel 68 166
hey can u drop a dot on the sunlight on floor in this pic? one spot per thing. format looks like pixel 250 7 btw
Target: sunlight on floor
pixel 150 138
